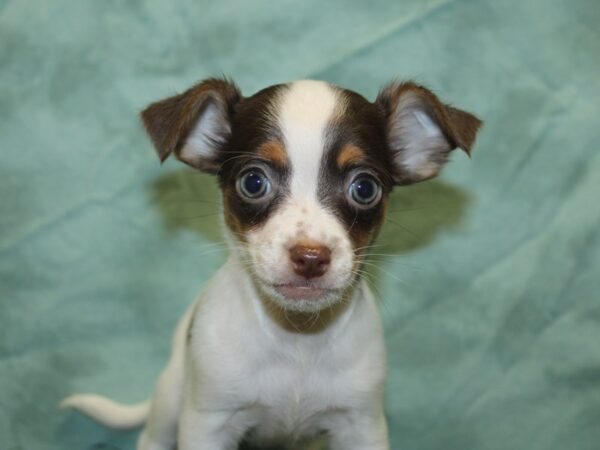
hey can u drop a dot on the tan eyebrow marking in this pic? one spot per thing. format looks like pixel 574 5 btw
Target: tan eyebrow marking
pixel 350 154
pixel 274 152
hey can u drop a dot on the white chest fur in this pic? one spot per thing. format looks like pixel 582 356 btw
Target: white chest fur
pixel 275 381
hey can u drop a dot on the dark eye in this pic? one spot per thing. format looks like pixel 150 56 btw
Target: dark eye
pixel 253 184
pixel 364 191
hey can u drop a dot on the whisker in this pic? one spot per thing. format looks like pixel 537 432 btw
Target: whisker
pixel 379 268
pixel 367 247
pixel 201 216
pixel 396 211
pixel 194 200
pixel 381 257
pixel 405 229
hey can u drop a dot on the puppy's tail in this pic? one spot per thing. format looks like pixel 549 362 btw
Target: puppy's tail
pixel 108 412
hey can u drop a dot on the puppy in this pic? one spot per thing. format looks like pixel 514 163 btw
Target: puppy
pixel 285 343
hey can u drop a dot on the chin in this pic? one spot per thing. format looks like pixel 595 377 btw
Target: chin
pixel 302 298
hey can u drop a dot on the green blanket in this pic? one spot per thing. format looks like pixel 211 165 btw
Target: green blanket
pixel 490 275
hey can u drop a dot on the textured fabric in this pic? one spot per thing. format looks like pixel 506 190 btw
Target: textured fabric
pixel 490 275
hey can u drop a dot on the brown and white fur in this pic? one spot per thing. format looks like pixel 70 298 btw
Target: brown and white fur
pixel 285 343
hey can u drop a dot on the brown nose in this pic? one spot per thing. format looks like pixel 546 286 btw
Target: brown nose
pixel 310 261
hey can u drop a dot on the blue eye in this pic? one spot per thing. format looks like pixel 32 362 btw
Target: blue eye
pixel 253 184
pixel 364 190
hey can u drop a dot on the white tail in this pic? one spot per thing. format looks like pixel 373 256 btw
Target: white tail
pixel 108 412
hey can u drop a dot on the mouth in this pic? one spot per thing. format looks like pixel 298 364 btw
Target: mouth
pixel 301 292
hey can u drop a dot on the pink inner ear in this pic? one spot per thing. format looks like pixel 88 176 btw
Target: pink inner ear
pixel 211 130
pixel 419 144
pixel 430 128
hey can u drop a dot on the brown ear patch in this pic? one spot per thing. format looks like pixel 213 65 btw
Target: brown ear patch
pixel 169 122
pixel 349 155
pixel 464 127
pixel 274 152
pixel 459 127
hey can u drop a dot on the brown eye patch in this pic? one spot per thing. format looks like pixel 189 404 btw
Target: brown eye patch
pixel 255 142
pixel 356 143
pixel 362 224
pixel 242 215
pixel 274 153
pixel 349 155
pixel 362 236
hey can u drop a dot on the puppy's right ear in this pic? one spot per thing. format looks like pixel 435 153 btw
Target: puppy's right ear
pixel 194 125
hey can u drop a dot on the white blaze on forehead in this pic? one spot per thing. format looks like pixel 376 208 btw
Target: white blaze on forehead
pixel 304 111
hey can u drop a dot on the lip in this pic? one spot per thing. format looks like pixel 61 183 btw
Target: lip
pixel 296 292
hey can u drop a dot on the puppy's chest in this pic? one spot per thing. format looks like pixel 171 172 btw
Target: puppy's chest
pixel 293 394
pixel 297 381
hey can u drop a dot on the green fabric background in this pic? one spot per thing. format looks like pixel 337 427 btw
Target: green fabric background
pixel 490 296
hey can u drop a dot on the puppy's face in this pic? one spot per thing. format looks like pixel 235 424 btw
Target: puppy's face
pixel 305 170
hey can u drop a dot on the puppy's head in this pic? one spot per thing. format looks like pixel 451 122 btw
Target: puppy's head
pixel 305 169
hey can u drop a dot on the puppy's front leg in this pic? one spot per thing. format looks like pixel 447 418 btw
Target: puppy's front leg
pixel 359 430
pixel 202 430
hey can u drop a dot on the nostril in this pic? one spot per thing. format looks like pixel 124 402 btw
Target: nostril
pixel 310 261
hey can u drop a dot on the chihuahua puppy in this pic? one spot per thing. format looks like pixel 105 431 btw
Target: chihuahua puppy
pixel 285 344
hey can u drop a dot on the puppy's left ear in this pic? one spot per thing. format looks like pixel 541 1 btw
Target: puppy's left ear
pixel 194 125
pixel 422 131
